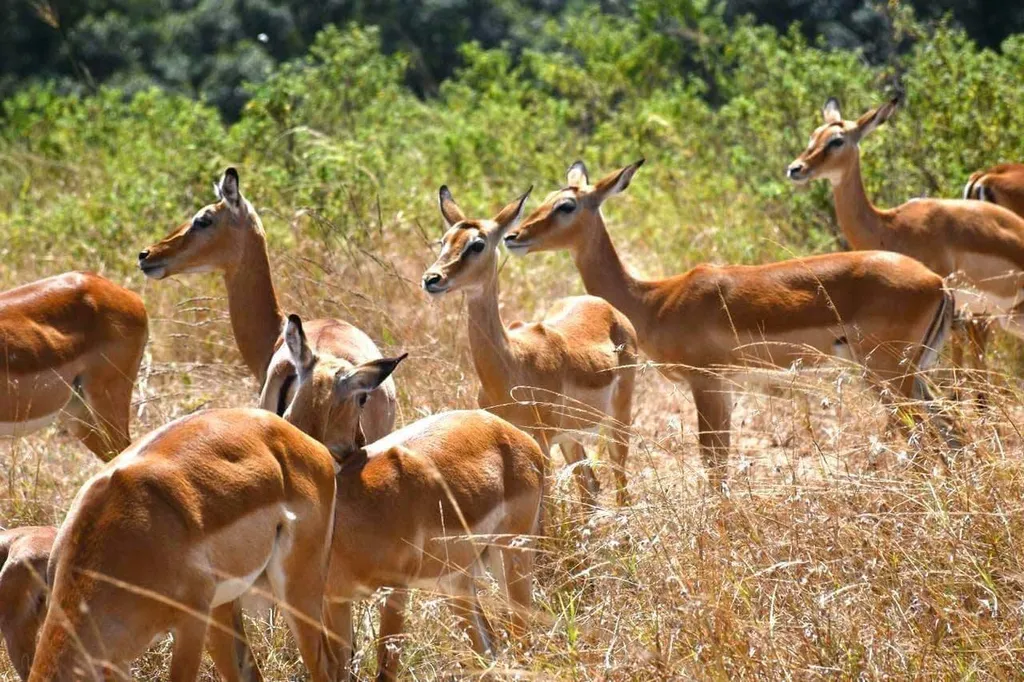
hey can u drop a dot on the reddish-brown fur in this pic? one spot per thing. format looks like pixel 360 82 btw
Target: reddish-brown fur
pixel 73 342
pixel 24 553
pixel 881 307
pixel 235 244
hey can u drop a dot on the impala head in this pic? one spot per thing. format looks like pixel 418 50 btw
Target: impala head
pixel 211 240
pixel 328 394
pixel 568 216
pixel 469 249
pixel 833 149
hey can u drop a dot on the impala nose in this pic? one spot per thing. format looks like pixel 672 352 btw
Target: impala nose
pixel 143 255
pixel 431 280
pixel 795 170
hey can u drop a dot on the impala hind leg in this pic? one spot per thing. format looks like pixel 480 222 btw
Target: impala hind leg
pixel 515 575
pixel 713 400
pixel 618 440
pixel 101 409
pixel 389 640
pixel 229 647
pixel 297 581
pixel 338 618
pixel 187 654
pixel 576 457
pixel 466 606
pixel 972 335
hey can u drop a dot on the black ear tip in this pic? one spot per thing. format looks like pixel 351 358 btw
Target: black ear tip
pixel 640 162
pixel 295 321
pixel 232 173
pixel 444 192
pixel 401 357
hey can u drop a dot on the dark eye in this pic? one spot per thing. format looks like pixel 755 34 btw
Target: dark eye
pixel 201 221
pixel 566 207
pixel 477 246
pixel 835 143
pixel 362 399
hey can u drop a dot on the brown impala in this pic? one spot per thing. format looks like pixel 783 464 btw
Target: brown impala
pixel 24 553
pixel 228 237
pixel 421 507
pixel 71 343
pixel 884 310
pixel 573 371
pixel 174 530
pixel 977 246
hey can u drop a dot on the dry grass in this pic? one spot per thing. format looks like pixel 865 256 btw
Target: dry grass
pixel 839 554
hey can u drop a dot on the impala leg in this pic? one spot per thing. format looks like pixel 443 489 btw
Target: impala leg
pixel 389 641
pixel 187 654
pixel 338 615
pixel 229 647
pixel 713 401
pixel 101 409
pixel 466 606
pixel 517 579
pixel 576 456
pixel 618 444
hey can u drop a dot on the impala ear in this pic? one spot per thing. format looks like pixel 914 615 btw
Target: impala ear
pixel 228 188
pixel 510 216
pixel 613 183
pixel 366 377
pixel 876 117
pixel 298 347
pixel 830 112
pixel 577 176
pixel 449 209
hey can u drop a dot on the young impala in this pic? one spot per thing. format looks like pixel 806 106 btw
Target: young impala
pixel 575 369
pixel 71 343
pixel 420 507
pixel 1002 184
pixel 228 237
pixel 978 247
pixel 886 311
pixel 175 529
pixel 24 553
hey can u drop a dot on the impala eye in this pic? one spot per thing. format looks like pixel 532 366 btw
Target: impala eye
pixel 566 207
pixel 362 399
pixel 835 143
pixel 477 246
pixel 201 221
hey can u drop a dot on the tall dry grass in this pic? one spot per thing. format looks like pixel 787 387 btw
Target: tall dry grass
pixel 841 552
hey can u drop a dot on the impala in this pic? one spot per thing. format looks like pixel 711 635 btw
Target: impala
pixel 978 247
pixel 576 368
pixel 23 556
pixel 884 310
pixel 420 507
pixel 228 237
pixel 71 343
pixel 176 528
pixel 1002 184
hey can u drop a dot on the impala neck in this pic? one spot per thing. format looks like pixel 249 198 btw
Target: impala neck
pixel 256 317
pixel 488 339
pixel 605 276
pixel 859 220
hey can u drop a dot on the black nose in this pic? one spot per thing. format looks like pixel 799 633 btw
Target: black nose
pixel 143 255
pixel 794 169
pixel 431 278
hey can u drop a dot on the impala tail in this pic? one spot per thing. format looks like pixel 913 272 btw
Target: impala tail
pixel 935 338
pixel 975 188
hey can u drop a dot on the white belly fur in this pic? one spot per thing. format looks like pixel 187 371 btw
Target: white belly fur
pixel 18 429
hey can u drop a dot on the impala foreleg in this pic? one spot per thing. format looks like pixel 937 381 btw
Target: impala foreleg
pixel 576 457
pixel 229 647
pixel 713 401
pixel 389 640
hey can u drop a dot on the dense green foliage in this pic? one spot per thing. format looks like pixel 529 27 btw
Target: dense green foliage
pixel 338 137
pixel 210 48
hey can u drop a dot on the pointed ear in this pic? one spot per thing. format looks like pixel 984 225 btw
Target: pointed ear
pixel 613 183
pixel 364 378
pixel 298 347
pixel 228 188
pixel 449 209
pixel 509 216
pixel 876 117
pixel 577 176
pixel 830 112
